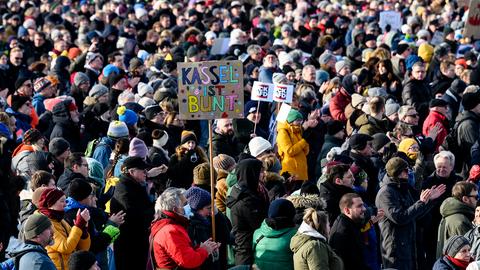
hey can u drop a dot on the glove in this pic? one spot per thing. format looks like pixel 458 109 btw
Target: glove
pixel 80 222
pixel 112 231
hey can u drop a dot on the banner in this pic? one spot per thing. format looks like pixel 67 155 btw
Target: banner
pixel 262 91
pixel 393 18
pixel 472 25
pixel 283 93
pixel 210 90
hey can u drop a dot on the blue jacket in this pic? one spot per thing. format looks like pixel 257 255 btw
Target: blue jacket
pixel 103 151
pixel 36 257
pixel 37 103
pixel 444 264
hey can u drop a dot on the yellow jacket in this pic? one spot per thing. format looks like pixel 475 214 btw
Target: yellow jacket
pixel 67 240
pixel 293 150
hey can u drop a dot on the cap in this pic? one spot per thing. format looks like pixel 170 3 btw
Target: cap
pixel 437 103
pixel 359 141
pixel 135 163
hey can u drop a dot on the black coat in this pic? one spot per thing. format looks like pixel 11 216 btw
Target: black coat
pixel 131 247
pixel 66 178
pixel 224 144
pixel 332 194
pixel 180 168
pixel 66 128
pixel 418 94
pixel 369 167
pixel 344 230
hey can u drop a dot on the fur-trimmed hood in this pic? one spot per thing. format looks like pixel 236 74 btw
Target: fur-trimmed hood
pixel 306 201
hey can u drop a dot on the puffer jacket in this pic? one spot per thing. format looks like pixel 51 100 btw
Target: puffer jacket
pixel 311 251
pixel 369 125
pixel 67 240
pixel 293 150
pixel 221 194
pixel 272 247
pixel 338 103
pixel 456 220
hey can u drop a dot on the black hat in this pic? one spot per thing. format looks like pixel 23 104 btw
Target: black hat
pixel 370 37
pixel 470 55
pixel 437 103
pixel 457 86
pixel 114 78
pixel 379 141
pixel 152 111
pixel 470 100
pixel 21 80
pixel 359 141
pixel 58 146
pixel 135 162
pixel 401 48
pixel 18 101
pixel 81 260
pixel 79 189
pixel 333 127
pixel 192 51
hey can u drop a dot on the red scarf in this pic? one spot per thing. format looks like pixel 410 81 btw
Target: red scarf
pixel 459 263
pixel 52 214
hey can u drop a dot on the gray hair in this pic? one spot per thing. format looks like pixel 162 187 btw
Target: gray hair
pixel 254 49
pixel 444 154
pixel 169 200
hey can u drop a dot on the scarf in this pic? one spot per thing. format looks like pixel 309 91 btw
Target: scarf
pixel 459 263
pixel 52 214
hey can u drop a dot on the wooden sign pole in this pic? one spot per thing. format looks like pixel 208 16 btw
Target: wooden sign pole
pixel 212 180
pixel 255 126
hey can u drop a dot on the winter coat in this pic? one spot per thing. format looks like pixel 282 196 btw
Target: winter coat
pixel 432 119
pixel 332 193
pixel 473 237
pixel 468 131
pixel 453 100
pixel 65 127
pixel 37 103
pixel 34 257
pixel 445 264
pixel 158 156
pixel 293 150
pixel 311 251
pixel 272 247
pixel 344 230
pixel 247 209
pixel 172 246
pixel 456 220
pixel 132 198
pixel 338 103
pixel 302 202
pixel 221 194
pixel 224 144
pixel 66 178
pixel 103 151
pixel 330 142
pixel 368 166
pixel 243 129
pixel 418 94
pixel 67 240
pixel 398 227
pixel 180 168
pixel 370 125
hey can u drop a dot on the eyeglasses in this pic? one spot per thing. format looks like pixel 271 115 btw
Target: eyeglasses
pixel 413 115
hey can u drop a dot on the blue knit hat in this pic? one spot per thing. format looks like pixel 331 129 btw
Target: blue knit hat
pixel 127 116
pixel 281 208
pixel 198 198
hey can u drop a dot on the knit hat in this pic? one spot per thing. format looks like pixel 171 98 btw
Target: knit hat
pixel 51 102
pixel 437 103
pixel 333 127
pixel 81 260
pixel 474 174
pixel 138 148
pixel 294 115
pixel 281 208
pixel 127 116
pixel 21 80
pixel 49 197
pixel 340 65
pixel 405 144
pixel 358 101
pixel 469 100
pixel 98 90
pixel 79 189
pixel 35 225
pixel 31 136
pixel 250 107
pixel 91 56
pixel 18 101
pixel 457 86
pixel 152 111
pixel 258 145
pixel 359 141
pixel 325 57
pixel 58 146
pixel 146 101
pixel 109 69
pixel 391 108
pixel 95 171
pixel 201 174
pixel 379 141
pixel 188 136
pixel 40 84
pixel 143 89
pixel 377 92
pixel 454 245
pixel 80 78
pixel 198 198
pixel 395 166
pixel 117 129
pixel 425 51
pixel 223 162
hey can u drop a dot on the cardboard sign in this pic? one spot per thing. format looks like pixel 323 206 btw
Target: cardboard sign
pixel 262 91
pixel 220 46
pixel 472 24
pixel 437 38
pixel 283 93
pixel 210 90
pixel 393 18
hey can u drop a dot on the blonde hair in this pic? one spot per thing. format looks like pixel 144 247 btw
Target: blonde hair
pixel 317 220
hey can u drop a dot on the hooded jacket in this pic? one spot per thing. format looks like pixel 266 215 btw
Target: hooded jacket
pixel 247 208
pixel 311 251
pixel 456 220
pixel 370 125
pixel 332 193
pixel 293 150
pixel 34 257
pixel 65 127
pixel 432 119
pixel 302 202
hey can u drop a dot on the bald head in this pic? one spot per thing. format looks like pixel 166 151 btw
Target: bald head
pixel 224 126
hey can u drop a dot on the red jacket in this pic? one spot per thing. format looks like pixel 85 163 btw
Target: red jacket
pixel 338 103
pixel 432 119
pixel 172 246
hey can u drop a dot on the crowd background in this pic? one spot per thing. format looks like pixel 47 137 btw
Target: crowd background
pixel 376 166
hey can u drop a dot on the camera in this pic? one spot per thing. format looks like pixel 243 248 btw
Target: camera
pixel 194 158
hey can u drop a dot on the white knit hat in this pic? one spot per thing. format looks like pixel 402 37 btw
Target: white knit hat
pixel 143 89
pixel 258 145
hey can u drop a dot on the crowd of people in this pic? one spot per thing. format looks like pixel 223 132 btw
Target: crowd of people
pixel 376 166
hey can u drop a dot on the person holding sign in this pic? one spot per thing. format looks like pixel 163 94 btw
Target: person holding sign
pixel 292 147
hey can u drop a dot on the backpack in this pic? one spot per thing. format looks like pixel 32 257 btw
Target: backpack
pixel 452 144
pixel 91 147
pixel 14 262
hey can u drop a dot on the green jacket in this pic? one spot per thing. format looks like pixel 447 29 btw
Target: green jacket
pixel 272 247
pixel 456 220
pixel 311 251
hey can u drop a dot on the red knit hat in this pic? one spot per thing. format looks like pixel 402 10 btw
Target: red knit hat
pixel 474 173
pixel 49 197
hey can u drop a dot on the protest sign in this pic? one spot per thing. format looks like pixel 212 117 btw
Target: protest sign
pixel 393 18
pixel 283 112
pixel 472 24
pixel 283 93
pixel 210 90
pixel 262 91
pixel 220 46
